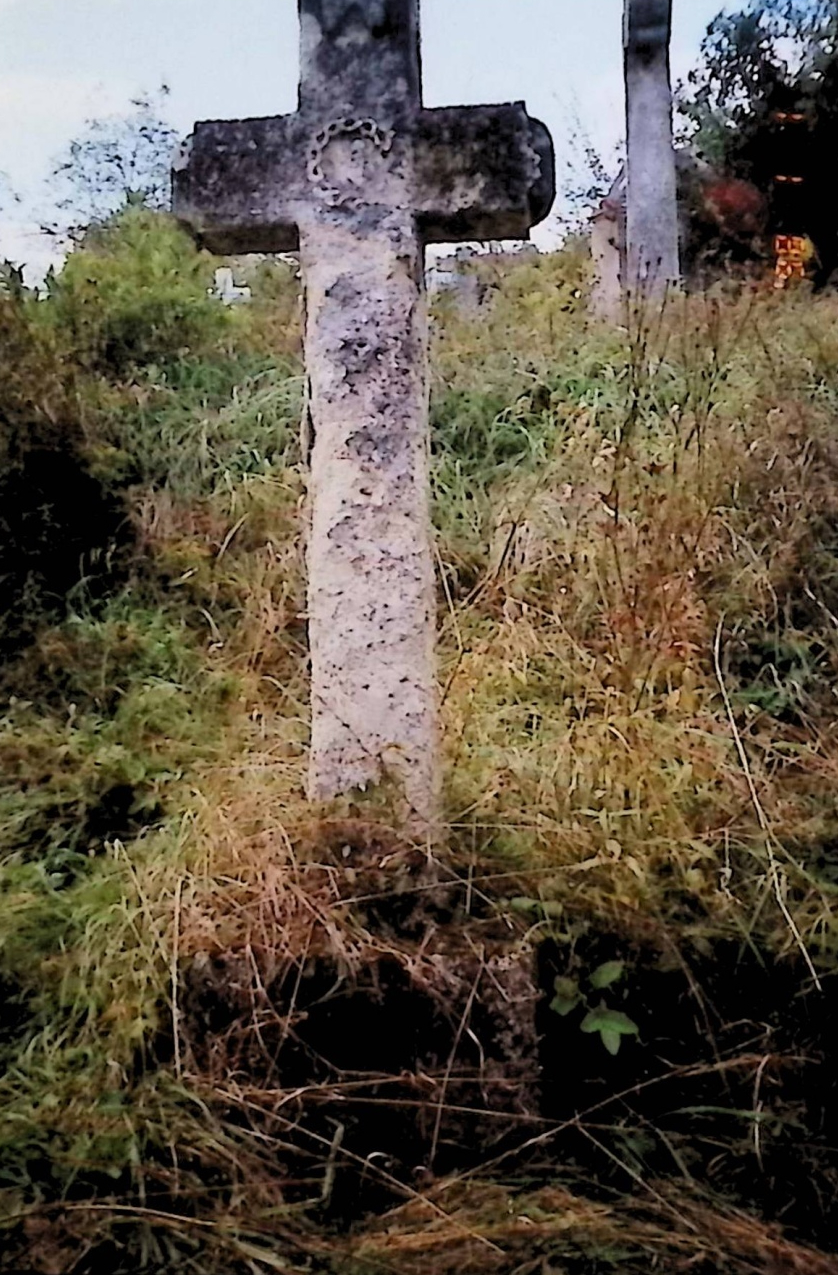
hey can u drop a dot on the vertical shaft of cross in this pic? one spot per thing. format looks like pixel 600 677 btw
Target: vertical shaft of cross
pixel 359 56
pixel 371 601
pixel 651 205
pixel 371 604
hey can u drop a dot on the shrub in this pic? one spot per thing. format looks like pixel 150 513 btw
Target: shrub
pixel 135 292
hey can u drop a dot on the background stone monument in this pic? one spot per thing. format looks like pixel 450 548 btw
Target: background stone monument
pixel 652 265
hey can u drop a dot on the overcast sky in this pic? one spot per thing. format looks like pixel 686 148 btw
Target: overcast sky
pixel 63 61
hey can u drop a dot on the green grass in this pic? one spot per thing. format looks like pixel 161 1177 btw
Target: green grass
pixel 197 426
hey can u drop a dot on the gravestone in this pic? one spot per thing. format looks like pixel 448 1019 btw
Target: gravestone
pixel 608 238
pixel 358 180
pixel 451 277
pixel 227 291
pixel 651 204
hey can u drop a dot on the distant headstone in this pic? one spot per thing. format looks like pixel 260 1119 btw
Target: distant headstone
pixel 360 179
pixel 226 289
pixel 651 208
pixel 608 235
pixel 447 278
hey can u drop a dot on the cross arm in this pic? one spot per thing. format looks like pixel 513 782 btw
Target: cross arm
pixel 482 172
pixel 238 184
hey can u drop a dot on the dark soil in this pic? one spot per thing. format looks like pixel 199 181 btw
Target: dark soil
pixel 732 1079
pixel 60 531
pixel 400 1076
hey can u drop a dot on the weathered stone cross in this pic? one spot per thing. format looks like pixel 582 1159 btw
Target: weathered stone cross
pixel 359 179
pixel 651 200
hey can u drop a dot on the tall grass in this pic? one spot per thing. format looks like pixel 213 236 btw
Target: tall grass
pixel 638 588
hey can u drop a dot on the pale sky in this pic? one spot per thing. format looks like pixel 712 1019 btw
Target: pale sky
pixel 63 61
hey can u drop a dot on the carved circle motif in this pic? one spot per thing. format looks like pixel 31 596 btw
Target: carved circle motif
pixel 361 129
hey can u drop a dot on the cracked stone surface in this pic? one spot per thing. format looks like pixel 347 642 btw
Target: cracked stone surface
pixel 372 596
pixel 358 180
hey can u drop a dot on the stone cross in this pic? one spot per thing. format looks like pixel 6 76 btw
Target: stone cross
pixel 358 180
pixel 651 209
pixel 226 290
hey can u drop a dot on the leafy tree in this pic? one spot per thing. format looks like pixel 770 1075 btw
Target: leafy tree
pixel 746 57
pixel 770 58
pixel 117 161
pixel 586 176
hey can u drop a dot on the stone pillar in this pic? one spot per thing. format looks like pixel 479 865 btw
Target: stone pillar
pixel 651 210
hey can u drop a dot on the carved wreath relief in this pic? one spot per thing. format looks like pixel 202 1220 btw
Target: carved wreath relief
pixel 348 161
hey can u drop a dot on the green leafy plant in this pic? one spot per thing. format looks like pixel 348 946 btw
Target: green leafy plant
pixel 611 1024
